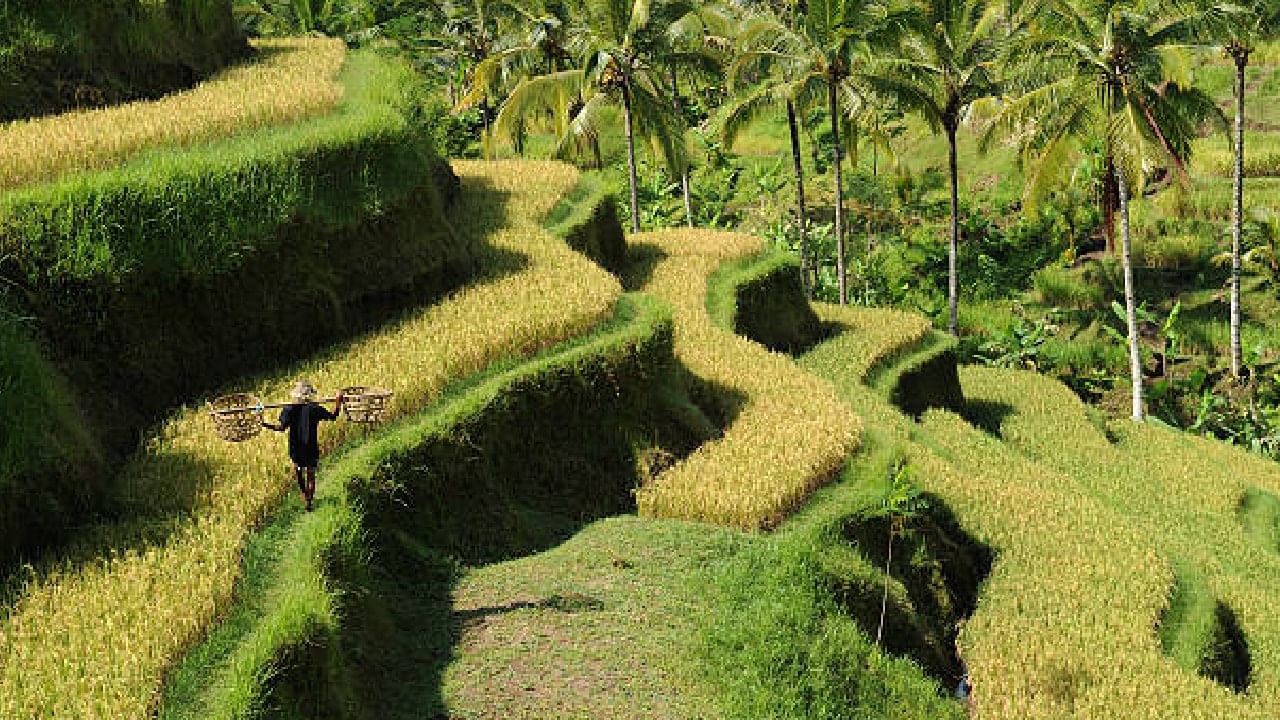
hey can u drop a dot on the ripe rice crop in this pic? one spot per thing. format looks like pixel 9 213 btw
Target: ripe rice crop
pixel 94 640
pixel 1127 512
pixel 791 434
pixel 873 336
pixel 293 79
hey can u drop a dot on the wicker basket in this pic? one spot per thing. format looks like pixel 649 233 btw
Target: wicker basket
pixel 235 417
pixel 366 405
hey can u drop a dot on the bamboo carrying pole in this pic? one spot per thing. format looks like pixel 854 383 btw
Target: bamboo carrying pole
pixel 237 418
pixel 275 406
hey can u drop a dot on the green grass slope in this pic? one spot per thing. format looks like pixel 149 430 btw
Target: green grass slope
pixel 1132 572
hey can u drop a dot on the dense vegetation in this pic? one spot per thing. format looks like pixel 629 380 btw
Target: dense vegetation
pixel 973 145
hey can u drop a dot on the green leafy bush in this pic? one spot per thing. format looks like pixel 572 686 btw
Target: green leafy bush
pixel 1062 287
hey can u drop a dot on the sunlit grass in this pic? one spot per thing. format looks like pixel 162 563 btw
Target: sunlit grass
pixel 1089 533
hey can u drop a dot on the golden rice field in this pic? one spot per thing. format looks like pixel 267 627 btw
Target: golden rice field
pixel 294 79
pixel 93 641
pixel 792 433
pixel 1181 494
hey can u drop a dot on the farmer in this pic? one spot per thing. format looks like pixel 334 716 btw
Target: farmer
pixel 301 419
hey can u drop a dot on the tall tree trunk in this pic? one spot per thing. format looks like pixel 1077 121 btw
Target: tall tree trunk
pixel 1241 57
pixel 1130 301
pixel 684 174
pixel 953 280
pixel 801 216
pixel 833 104
pixel 875 176
pixel 1109 205
pixel 485 141
pixel 884 598
pixel 631 157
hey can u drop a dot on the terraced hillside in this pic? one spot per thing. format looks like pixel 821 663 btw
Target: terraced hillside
pixel 132 288
pixel 623 478
pixel 1128 581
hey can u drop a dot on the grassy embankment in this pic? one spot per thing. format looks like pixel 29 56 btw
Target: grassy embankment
pixel 1109 596
pixel 1193 502
pixel 788 433
pixel 668 619
pixel 64 55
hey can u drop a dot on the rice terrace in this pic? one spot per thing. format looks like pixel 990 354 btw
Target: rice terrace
pixel 563 359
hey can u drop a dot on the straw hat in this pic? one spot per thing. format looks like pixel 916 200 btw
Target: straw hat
pixel 303 391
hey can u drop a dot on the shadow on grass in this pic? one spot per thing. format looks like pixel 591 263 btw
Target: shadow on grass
pixel 987 415
pixel 643 260
pixel 941 566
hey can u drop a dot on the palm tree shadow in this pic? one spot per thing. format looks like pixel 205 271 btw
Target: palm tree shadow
pixel 986 415
pixel 643 261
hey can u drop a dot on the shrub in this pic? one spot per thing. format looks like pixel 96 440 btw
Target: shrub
pixel 1187 254
pixel 1062 287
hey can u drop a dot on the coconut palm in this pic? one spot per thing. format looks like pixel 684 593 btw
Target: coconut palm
pixel 697 42
pixel 1245 26
pixel 535 43
pixel 474 31
pixel 770 90
pixel 618 46
pixel 824 56
pixel 1097 72
pixel 948 64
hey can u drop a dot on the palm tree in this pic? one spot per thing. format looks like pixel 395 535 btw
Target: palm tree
pixel 698 42
pixel 772 88
pixel 618 45
pixel 824 56
pixel 948 64
pixel 1248 25
pixel 540 49
pixel 1097 73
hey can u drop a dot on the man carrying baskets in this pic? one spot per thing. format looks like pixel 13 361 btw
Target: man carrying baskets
pixel 302 419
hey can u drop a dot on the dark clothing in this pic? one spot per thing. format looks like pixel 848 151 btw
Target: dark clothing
pixel 302 420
